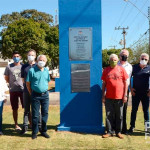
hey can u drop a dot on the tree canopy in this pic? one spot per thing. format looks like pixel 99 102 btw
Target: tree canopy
pixel 142 46
pixel 24 34
pixel 29 29
pixel 37 16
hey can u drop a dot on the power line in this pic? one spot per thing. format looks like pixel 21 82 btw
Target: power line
pixel 128 14
pixel 120 18
pixel 137 14
pixel 140 38
pixel 133 21
pixel 122 23
pixel 137 28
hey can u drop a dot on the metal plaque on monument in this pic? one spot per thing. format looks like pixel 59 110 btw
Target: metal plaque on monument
pixel 80 44
pixel 80 77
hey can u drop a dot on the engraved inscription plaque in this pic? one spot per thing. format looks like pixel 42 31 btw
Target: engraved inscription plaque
pixel 80 77
pixel 80 43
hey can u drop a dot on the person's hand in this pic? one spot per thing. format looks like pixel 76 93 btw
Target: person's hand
pixel 148 94
pixel 103 99
pixel 125 99
pixel 5 100
pixel 133 91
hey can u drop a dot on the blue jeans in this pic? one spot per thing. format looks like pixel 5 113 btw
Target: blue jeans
pixel 37 101
pixel 27 103
pixel 1 113
pixel 135 104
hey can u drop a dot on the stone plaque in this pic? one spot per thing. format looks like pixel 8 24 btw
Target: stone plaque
pixel 80 77
pixel 80 44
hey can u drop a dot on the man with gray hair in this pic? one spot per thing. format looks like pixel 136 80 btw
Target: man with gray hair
pixel 124 54
pixel 139 90
pixel 115 86
pixel 37 83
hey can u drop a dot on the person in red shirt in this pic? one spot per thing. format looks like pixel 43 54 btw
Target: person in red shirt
pixel 114 94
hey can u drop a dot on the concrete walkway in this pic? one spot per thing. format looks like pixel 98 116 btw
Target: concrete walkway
pixel 54 98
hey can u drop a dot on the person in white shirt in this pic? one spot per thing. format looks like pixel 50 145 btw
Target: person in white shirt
pixel 3 95
pixel 124 54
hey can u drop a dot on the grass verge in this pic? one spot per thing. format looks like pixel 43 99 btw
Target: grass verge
pixel 67 140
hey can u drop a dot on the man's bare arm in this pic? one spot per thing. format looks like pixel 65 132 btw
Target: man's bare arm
pixel 7 78
pixel 103 91
pixel 125 91
pixel 49 84
pixel 23 80
pixel 28 87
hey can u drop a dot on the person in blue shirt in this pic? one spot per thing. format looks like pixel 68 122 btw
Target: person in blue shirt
pixel 139 91
pixel 37 83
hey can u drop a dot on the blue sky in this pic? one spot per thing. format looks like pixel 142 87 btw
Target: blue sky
pixel 115 13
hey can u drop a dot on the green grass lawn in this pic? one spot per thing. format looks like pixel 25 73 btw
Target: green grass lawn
pixel 67 140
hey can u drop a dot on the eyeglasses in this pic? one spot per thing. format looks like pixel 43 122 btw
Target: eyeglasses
pixel 123 55
pixel 144 59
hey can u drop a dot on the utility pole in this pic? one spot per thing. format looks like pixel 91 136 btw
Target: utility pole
pixel 56 18
pixel 124 34
pixel 113 46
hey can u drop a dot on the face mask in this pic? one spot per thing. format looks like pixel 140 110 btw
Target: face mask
pixel 143 62
pixel 41 64
pixel 16 59
pixel 124 58
pixel 31 58
pixel 113 63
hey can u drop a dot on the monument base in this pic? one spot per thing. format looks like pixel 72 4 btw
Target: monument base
pixel 82 129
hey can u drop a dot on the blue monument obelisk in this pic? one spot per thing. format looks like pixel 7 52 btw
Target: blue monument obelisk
pixel 80 56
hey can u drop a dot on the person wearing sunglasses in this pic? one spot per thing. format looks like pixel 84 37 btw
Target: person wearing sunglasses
pixel 139 89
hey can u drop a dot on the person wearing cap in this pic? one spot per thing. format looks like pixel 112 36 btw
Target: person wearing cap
pixel 37 83
pixel 139 90
pixel 114 95
pixel 124 54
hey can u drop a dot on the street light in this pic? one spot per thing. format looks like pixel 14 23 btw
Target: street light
pixel 148 17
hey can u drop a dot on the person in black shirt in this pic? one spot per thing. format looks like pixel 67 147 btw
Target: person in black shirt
pixel 26 96
pixel 139 91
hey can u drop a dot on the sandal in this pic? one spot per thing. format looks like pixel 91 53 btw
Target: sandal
pixel 18 128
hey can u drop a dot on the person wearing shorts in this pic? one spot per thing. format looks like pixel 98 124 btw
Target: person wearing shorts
pixel 13 77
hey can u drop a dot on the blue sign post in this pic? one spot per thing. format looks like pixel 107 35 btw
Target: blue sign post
pixel 80 66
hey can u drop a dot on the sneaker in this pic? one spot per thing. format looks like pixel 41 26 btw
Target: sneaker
pixel 106 135
pixel 119 135
pixel 44 134
pixel 1 133
pixel 23 131
pixel 34 136
pixel 131 130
